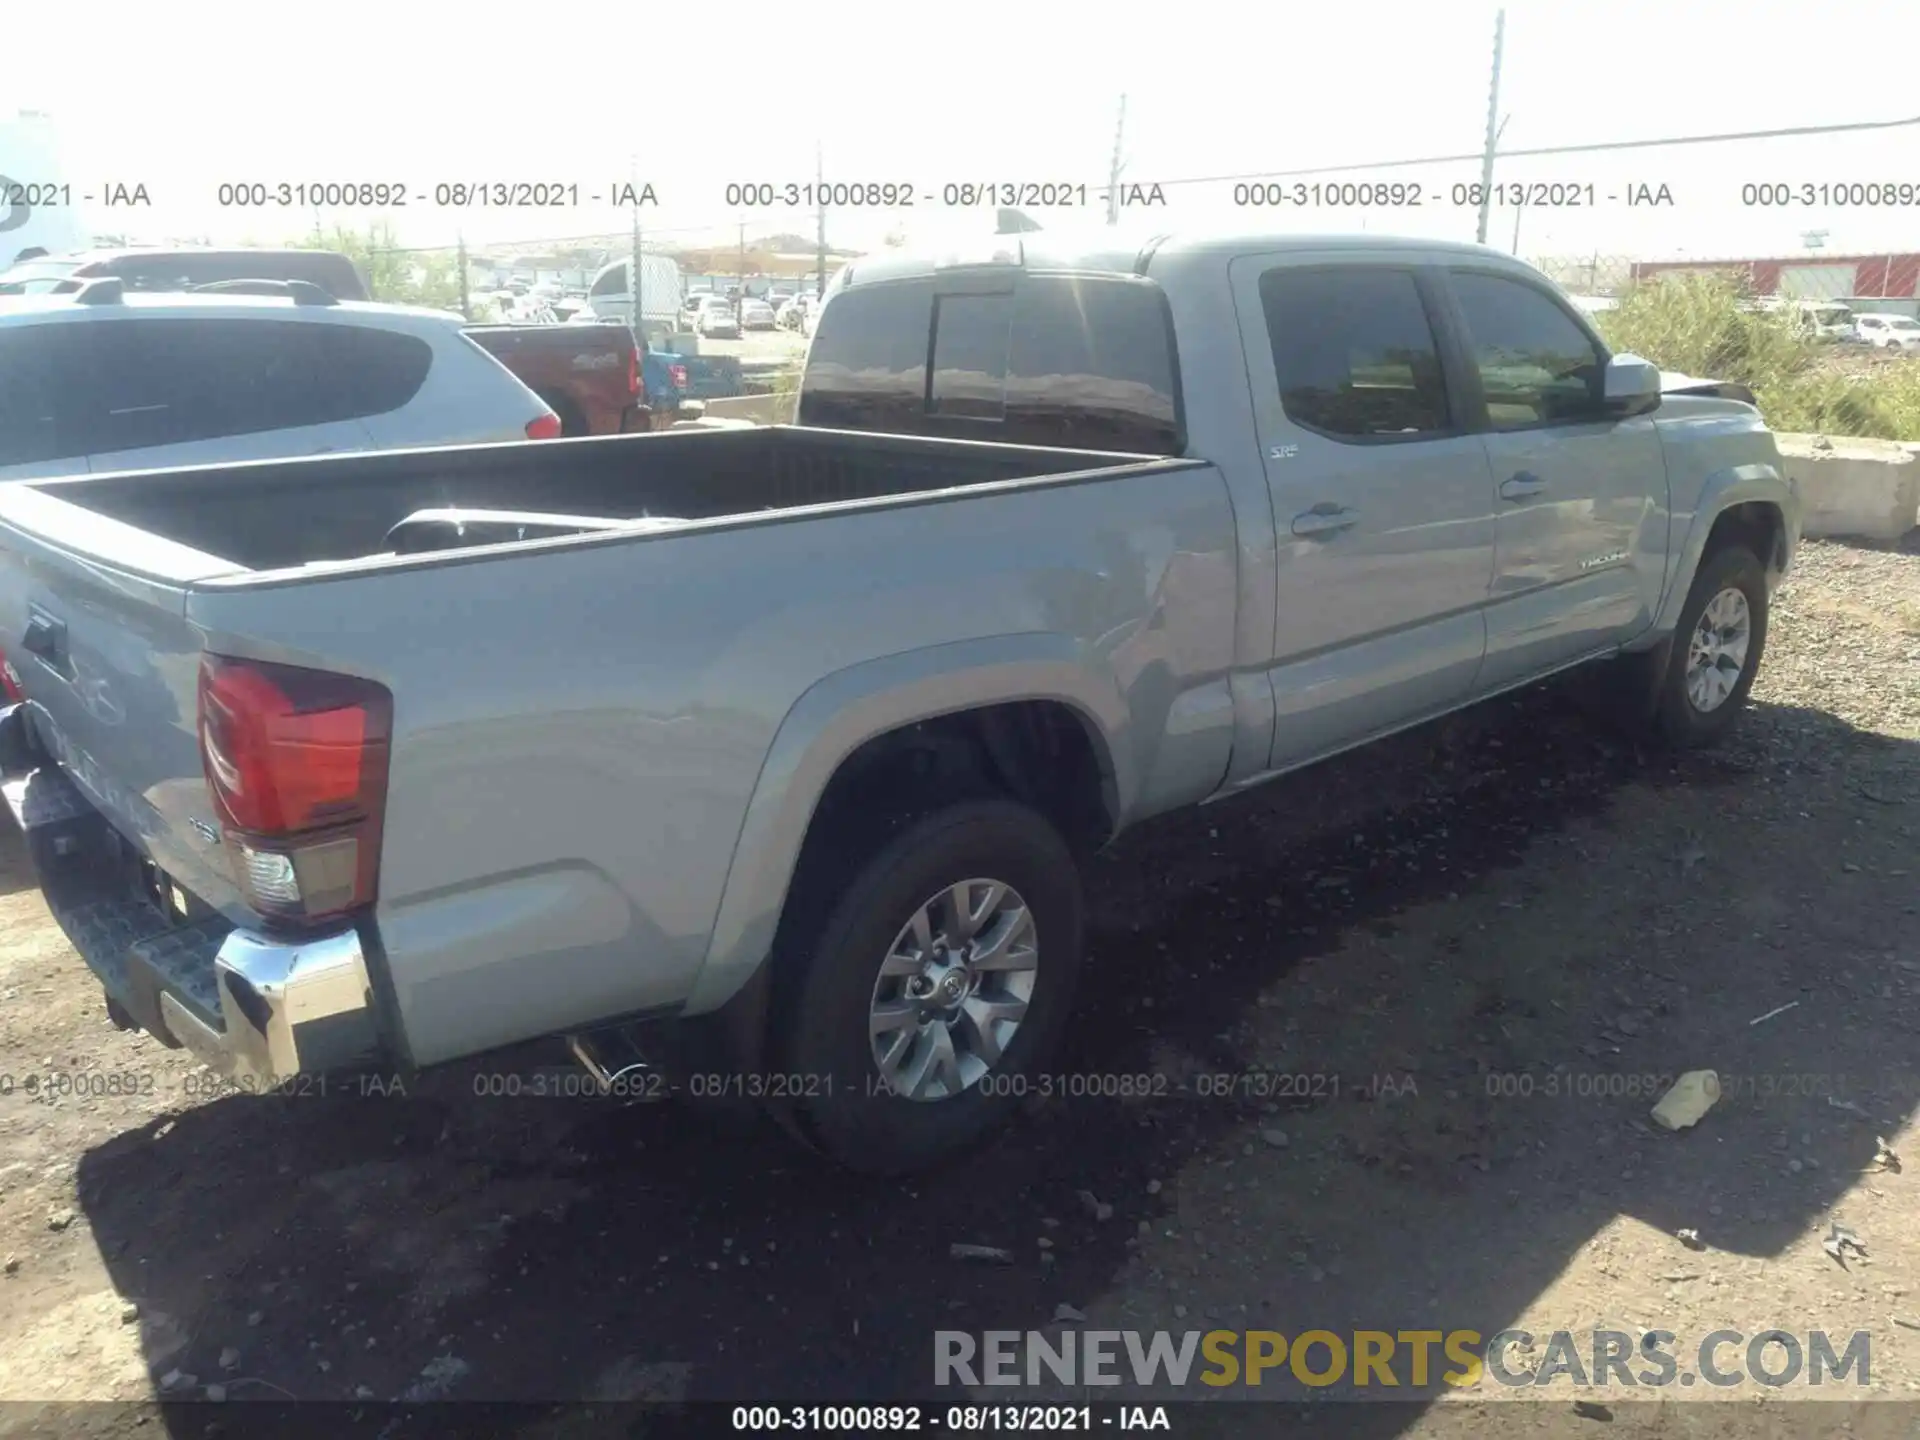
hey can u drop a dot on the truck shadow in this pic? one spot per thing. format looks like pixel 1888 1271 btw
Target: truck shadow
pixel 1374 919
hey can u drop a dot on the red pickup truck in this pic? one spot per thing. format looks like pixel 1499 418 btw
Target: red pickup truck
pixel 589 374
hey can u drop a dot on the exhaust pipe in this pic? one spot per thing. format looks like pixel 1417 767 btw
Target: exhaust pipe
pixel 614 1061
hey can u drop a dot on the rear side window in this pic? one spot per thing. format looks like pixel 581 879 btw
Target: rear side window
pixel 614 282
pixel 374 371
pixel 1354 352
pixel 1081 362
pixel 170 382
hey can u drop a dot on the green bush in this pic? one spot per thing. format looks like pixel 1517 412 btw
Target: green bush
pixel 1701 325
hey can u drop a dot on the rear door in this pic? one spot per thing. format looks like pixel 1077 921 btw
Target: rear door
pixel 168 390
pixel 1381 496
pixel 1580 548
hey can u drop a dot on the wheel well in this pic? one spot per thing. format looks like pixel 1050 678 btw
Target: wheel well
pixel 1040 752
pixel 1755 524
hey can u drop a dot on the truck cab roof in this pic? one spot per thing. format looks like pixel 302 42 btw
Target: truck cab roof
pixel 1123 252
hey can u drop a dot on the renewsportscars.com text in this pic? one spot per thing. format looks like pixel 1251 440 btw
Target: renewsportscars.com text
pixel 1382 1360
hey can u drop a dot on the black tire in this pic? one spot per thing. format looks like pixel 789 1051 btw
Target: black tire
pixel 847 1111
pixel 1677 721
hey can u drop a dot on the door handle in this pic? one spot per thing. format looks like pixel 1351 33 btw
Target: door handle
pixel 1324 519
pixel 46 638
pixel 1523 486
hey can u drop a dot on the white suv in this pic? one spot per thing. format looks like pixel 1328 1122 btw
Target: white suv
pixel 104 380
pixel 1889 332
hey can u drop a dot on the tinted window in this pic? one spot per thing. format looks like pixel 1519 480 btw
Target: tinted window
pixel 614 282
pixel 1084 363
pixel 970 355
pixel 167 382
pixel 1354 351
pixel 867 368
pixel 1535 364
pixel 40 366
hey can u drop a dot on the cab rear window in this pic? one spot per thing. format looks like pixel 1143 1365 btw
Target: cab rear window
pixel 1085 362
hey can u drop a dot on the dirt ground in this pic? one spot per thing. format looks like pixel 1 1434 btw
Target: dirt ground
pixel 1484 944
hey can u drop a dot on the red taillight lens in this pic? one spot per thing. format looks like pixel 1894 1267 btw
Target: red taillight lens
pixel 10 680
pixel 633 374
pixel 679 374
pixel 544 427
pixel 297 763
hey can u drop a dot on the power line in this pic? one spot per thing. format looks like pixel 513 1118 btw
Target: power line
pixel 1549 150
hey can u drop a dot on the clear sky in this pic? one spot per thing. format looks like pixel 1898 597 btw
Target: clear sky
pixel 185 94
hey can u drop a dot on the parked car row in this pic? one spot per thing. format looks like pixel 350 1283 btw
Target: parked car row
pixel 389 761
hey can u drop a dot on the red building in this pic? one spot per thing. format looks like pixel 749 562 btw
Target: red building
pixel 1811 277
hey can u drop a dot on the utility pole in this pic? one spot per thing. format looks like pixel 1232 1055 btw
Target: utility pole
pixel 743 259
pixel 638 270
pixel 1113 170
pixel 820 241
pixel 1493 134
pixel 466 304
pixel 1518 211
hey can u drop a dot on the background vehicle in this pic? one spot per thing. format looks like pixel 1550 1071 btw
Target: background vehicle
pixel 610 296
pixel 690 308
pixel 587 374
pixel 1887 332
pixel 108 381
pixel 176 270
pixel 755 314
pixel 687 725
pixel 798 313
pixel 717 319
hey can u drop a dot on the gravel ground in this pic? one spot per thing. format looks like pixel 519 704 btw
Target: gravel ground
pixel 1479 943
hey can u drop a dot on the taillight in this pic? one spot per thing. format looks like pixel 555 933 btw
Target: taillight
pixel 297 763
pixel 678 374
pixel 544 427
pixel 633 374
pixel 10 680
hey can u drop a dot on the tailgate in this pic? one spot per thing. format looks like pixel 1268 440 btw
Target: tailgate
pixel 109 668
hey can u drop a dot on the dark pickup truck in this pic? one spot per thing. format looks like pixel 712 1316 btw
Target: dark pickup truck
pixel 589 375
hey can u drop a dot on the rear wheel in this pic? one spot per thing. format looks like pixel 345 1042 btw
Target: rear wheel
pixel 940 980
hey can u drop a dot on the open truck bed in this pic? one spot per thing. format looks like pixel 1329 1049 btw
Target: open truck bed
pixel 575 654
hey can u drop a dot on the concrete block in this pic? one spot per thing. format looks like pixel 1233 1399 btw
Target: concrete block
pixel 760 409
pixel 1866 489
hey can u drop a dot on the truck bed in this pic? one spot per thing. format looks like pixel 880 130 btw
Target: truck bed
pixel 580 721
pixel 282 514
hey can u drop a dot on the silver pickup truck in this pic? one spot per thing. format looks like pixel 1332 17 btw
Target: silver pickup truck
pixel 797 734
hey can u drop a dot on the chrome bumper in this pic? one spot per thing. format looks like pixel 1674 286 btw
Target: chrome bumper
pixel 257 1009
pixel 287 1008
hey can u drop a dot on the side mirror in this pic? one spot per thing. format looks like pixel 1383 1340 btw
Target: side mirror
pixel 1631 387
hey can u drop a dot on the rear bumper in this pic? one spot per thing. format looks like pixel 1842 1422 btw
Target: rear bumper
pixel 257 1009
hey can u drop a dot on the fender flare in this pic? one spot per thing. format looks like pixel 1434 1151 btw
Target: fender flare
pixel 1736 485
pixel 840 713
